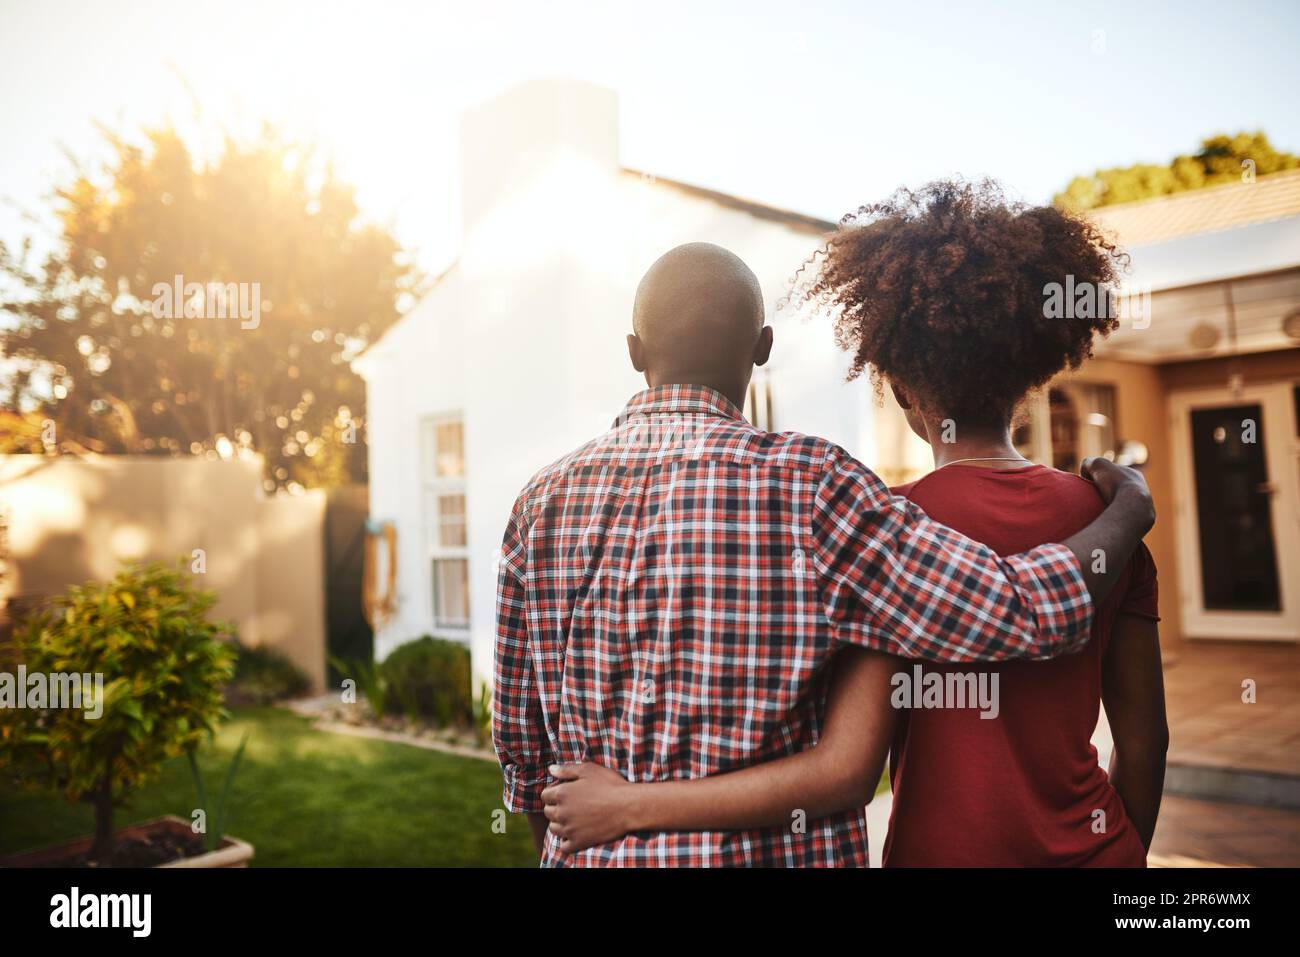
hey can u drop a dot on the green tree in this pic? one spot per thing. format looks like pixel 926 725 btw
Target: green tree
pixel 1221 159
pixel 92 344
pixel 147 636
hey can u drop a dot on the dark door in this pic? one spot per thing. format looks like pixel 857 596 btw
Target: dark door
pixel 1234 510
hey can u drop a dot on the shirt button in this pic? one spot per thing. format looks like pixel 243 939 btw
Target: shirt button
pixel 648 691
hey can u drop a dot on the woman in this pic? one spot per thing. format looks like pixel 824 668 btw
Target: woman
pixel 946 293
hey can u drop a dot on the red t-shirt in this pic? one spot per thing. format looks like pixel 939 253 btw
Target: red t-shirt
pixel 1021 789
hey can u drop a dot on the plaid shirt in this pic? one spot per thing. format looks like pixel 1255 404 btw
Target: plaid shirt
pixel 670 594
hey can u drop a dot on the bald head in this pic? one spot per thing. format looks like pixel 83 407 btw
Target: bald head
pixel 698 316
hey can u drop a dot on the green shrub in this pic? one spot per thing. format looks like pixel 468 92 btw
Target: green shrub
pixel 263 676
pixel 163 665
pixel 430 677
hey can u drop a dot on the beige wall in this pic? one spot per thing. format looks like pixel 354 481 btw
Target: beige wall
pixel 1141 416
pixel 290 562
pixel 74 519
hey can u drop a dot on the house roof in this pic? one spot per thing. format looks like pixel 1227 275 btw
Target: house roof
pixel 798 221
pixel 1175 226
pixel 1208 210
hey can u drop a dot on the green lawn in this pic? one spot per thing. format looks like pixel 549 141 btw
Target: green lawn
pixel 307 798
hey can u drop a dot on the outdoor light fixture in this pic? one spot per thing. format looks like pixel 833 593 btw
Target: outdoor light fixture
pixel 1204 336
pixel 1291 324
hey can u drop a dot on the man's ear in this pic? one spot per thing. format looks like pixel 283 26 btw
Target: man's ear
pixel 763 348
pixel 900 396
pixel 636 352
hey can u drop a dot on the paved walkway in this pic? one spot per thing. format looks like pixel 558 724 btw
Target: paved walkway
pixel 1191 833
pixel 1201 833
pixel 1195 832
pixel 1211 726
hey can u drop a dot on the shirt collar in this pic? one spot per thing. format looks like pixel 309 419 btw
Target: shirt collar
pixel 680 399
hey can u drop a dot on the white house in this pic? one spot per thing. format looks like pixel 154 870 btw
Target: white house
pixel 517 354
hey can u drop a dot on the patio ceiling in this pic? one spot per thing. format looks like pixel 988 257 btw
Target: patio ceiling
pixel 1213 319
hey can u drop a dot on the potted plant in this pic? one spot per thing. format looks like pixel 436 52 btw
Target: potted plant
pixel 152 667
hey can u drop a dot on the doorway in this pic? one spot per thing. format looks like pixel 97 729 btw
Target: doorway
pixel 1237 509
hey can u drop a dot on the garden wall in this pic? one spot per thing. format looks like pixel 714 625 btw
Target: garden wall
pixel 72 519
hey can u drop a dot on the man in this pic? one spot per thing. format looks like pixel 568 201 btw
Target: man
pixel 671 592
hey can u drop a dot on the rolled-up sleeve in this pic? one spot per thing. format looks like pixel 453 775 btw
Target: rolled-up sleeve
pixel 518 724
pixel 894 580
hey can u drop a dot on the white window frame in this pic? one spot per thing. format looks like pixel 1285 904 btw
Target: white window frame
pixel 432 486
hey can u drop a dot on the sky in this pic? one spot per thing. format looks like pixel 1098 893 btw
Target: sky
pixel 812 106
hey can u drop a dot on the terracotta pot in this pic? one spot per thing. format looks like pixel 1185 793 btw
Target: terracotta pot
pixel 232 853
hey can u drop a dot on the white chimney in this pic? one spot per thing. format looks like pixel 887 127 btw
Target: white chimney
pixel 506 139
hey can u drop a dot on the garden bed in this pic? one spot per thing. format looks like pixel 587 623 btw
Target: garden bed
pixel 329 714
pixel 162 842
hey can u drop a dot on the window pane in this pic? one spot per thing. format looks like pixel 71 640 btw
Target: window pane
pixel 451 521
pixel 1082 419
pixel 1096 405
pixel 1239 569
pixel 451 592
pixel 449 442
pixel 1064 421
